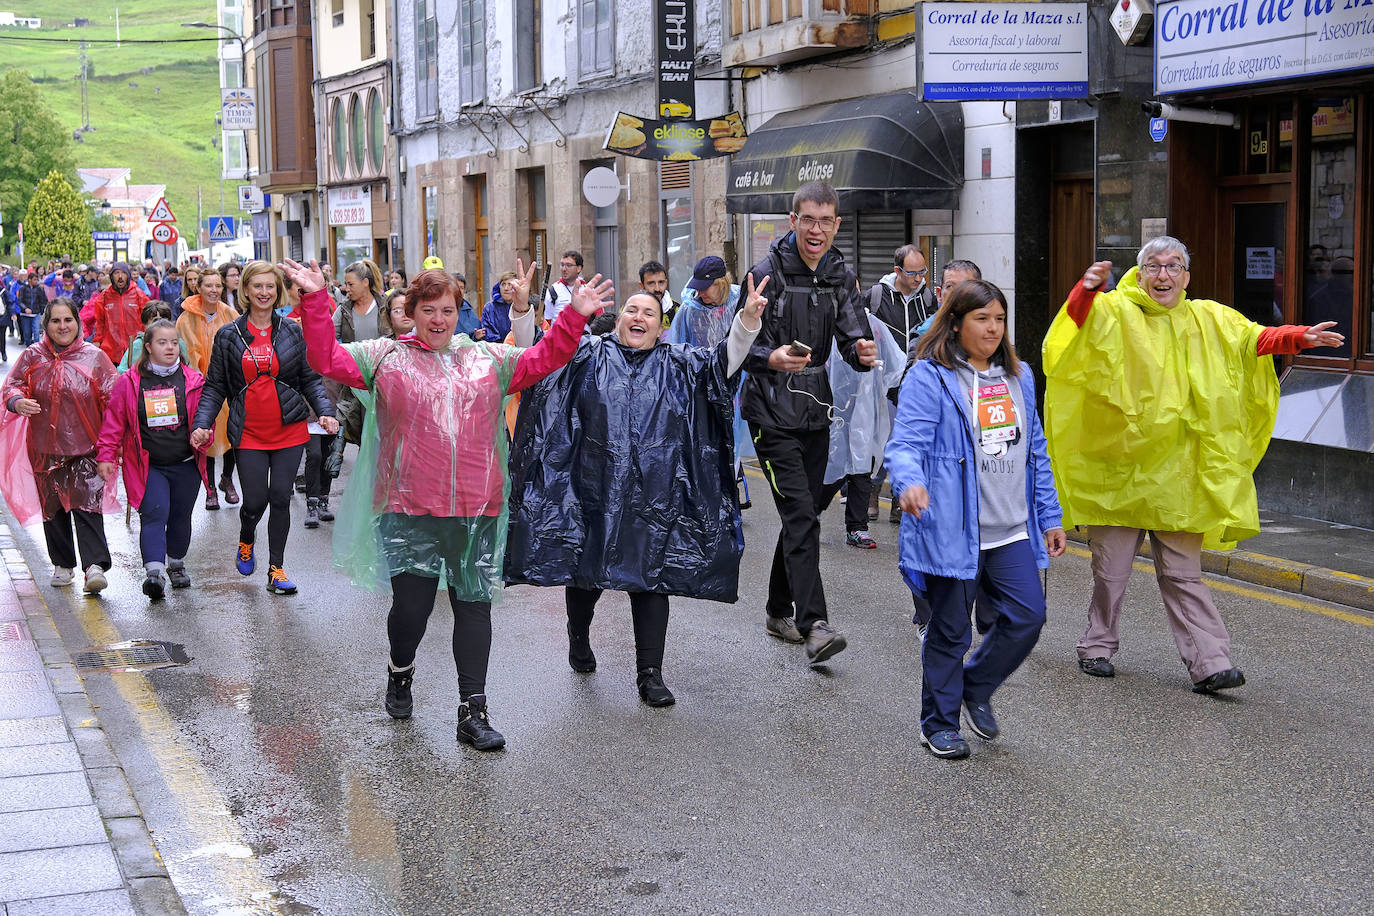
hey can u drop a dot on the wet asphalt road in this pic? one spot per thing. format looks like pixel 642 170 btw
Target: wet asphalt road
pixel 274 782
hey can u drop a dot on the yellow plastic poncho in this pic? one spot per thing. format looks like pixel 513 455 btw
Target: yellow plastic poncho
pixel 1157 417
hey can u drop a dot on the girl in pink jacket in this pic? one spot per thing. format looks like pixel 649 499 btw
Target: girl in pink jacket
pixel 427 498
pixel 147 429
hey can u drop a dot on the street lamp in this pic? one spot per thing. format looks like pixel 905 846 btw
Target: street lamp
pixel 229 33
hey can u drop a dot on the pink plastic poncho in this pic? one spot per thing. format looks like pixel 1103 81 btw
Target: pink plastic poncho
pixel 49 462
pixel 428 492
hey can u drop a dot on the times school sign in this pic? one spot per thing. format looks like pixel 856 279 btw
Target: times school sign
pixel 1208 44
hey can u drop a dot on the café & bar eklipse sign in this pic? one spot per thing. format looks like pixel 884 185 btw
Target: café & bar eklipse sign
pixel 1208 44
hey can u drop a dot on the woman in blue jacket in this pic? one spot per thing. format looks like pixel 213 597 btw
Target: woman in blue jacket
pixel 967 456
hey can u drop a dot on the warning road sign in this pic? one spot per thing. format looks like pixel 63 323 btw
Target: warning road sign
pixel 162 213
pixel 222 229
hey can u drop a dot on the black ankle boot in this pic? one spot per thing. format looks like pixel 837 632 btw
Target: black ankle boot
pixel 652 690
pixel 398 700
pixel 580 654
pixel 475 728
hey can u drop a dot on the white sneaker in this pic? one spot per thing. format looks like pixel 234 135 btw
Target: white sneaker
pixel 63 575
pixel 95 580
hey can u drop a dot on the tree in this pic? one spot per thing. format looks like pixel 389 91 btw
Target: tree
pixel 102 221
pixel 32 143
pixel 58 222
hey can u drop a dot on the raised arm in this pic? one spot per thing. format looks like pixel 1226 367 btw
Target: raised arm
pixel 558 346
pixel 323 351
pixel 1085 291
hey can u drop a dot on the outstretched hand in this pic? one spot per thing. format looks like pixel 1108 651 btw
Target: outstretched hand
pixel 593 295
pixel 309 279
pixel 754 303
pixel 520 299
pixel 1097 274
pixel 1319 336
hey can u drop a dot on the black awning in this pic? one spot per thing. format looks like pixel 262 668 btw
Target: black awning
pixel 885 152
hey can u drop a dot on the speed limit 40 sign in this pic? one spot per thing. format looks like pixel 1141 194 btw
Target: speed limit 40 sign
pixel 164 234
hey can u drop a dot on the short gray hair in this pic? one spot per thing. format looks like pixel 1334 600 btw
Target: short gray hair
pixel 1162 245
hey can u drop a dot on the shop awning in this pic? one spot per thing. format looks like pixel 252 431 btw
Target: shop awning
pixel 886 152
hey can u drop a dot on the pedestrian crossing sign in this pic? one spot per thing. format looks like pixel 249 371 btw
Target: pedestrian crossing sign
pixel 222 229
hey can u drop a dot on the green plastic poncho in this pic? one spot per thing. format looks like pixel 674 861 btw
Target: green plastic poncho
pixel 428 492
pixel 1157 417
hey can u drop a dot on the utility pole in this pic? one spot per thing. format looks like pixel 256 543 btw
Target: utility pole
pixel 116 27
pixel 85 97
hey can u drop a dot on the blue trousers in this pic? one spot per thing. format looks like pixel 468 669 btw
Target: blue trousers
pixel 28 328
pixel 165 513
pixel 1008 575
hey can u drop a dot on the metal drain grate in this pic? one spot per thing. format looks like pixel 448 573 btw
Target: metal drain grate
pixel 140 654
pixel 11 632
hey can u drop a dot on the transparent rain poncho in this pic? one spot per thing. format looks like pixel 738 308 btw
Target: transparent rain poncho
pixel 699 325
pixel 859 432
pixel 428 491
pixel 1157 417
pixel 47 462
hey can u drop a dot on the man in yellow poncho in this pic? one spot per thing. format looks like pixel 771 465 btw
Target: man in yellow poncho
pixel 1158 408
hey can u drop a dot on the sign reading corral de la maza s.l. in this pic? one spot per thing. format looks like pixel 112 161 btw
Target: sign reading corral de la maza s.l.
pixel 1003 50
pixel 1206 44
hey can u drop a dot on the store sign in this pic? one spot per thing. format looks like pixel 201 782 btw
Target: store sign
pixel 677 47
pixel 675 141
pixel 251 198
pixel 1206 44
pixel 1003 51
pixel 238 110
pixel 349 206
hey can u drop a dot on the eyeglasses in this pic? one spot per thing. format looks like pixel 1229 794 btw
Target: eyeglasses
pixel 1154 270
pixel 810 222
pixel 914 273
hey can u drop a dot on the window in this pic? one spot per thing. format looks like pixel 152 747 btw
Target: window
pixel 596 38
pixel 606 226
pixel 1329 290
pixel 231 74
pixel 473 48
pixel 357 132
pixel 529 45
pixel 429 218
pixel 339 127
pixel 536 198
pixel 234 20
pixel 675 197
pixel 367 16
pixel 426 60
pixel 376 129
pixel 235 155
pixel 336 12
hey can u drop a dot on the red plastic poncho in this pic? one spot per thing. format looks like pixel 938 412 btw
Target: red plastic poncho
pixel 47 462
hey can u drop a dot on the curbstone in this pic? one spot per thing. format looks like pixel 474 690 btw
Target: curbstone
pixel 1339 587
pixel 1285 575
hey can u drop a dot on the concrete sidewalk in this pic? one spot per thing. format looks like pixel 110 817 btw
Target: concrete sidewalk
pixel 72 839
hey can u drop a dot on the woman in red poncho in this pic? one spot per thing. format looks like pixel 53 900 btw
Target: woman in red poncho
pixel 55 399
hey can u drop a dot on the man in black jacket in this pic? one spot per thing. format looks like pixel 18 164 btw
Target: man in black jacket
pixel 813 299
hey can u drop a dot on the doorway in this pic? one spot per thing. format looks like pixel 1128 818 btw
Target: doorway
pixel 1251 258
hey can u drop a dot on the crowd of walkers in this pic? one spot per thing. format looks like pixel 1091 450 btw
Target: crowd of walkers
pixel 558 441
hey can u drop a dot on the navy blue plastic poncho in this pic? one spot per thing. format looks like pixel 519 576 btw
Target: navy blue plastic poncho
pixel 622 474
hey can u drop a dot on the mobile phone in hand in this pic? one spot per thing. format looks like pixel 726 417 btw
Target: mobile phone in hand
pixel 798 348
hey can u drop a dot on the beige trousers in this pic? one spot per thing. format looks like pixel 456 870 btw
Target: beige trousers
pixel 1201 637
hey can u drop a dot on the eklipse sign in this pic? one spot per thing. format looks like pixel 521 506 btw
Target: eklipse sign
pixel 676 30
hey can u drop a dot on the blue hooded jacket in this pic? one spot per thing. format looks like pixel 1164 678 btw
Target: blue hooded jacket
pixel 495 317
pixel 932 446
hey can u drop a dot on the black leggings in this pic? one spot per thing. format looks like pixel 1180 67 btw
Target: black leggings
pixel 648 610
pixel 266 477
pixel 316 480
pixel 412 601
pixel 210 479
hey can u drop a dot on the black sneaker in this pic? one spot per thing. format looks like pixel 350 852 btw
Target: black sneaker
pixel 474 727
pixel 325 514
pixel 981 720
pixel 823 642
pixel 948 744
pixel 652 690
pixel 894 515
pixel 1097 667
pixel 784 628
pixel 399 703
pixel 1222 680
pixel 154 587
pixel 581 658
pixel 312 512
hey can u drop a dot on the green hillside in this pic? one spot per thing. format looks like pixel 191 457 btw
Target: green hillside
pixel 153 106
